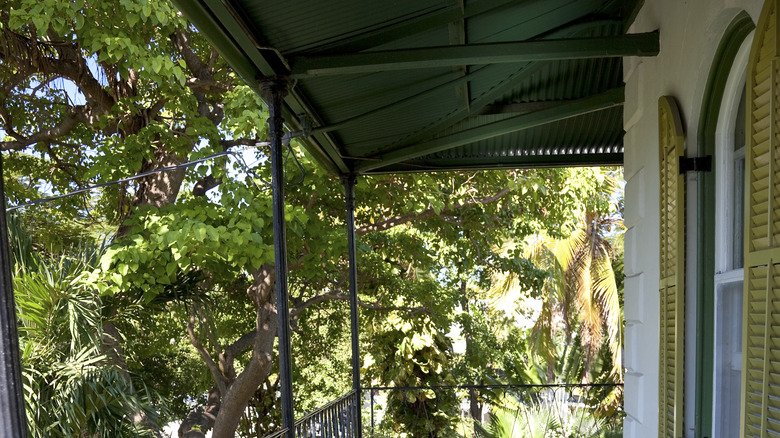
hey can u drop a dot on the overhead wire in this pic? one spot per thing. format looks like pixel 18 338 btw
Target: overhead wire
pixel 239 159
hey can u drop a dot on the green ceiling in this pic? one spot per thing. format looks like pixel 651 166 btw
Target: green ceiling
pixel 422 85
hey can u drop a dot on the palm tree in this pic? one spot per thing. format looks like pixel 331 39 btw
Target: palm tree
pixel 587 295
pixel 71 388
pixel 580 298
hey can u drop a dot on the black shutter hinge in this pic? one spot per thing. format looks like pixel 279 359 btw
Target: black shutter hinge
pixel 696 164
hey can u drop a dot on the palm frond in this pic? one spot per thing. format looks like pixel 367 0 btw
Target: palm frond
pixel 606 293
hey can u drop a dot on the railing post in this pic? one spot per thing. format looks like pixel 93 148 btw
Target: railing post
pixel 349 191
pixel 12 415
pixel 371 391
pixel 274 89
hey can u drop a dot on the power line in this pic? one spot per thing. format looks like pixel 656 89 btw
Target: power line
pixel 241 161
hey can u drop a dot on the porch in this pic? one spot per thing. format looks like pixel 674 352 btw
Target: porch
pixel 492 84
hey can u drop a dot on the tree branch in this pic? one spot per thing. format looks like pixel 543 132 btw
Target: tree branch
pixel 209 182
pixel 234 402
pixel 429 213
pixel 32 55
pixel 241 344
pixel 343 297
pixel 76 115
pixel 205 184
pixel 227 144
pixel 181 41
pixel 219 380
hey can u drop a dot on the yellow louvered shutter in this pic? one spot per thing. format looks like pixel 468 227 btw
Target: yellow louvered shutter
pixel 761 312
pixel 670 395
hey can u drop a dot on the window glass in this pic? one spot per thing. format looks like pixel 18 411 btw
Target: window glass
pixel 738 240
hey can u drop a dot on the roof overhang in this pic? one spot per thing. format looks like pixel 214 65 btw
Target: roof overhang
pixel 439 85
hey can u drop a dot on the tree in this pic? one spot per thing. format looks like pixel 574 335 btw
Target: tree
pixel 94 91
pixel 582 292
pixel 99 91
pixel 577 333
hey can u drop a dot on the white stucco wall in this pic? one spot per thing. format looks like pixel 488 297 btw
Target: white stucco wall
pixel 690 31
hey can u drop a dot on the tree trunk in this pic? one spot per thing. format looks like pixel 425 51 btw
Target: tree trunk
pixel 197 423
pixel 240 391
pixel 475 409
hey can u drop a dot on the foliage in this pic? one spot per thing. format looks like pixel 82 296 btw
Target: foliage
pixel 91 92
pixel 581 306
pixel 195 235
pixel 545 416
pixel 71 386
pixel 409 352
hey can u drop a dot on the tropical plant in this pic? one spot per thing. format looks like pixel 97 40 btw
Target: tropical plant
pixel 546 415
pixel 580 296
pixel 71 386
pixel 585 261
pixel 409 352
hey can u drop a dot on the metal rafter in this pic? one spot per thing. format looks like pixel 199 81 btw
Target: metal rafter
pixel 499 89
pixel 518 107
pixel 640 44
pixel 457 31
pixel 609 99
pixel 532 25
pixel 522 72
pixel 515 162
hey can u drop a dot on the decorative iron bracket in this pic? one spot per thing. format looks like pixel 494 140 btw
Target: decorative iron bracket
pixel 696 164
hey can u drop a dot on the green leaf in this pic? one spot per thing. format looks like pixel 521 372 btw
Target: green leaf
pixel 116 278
pixel 171 268
pixel 200 233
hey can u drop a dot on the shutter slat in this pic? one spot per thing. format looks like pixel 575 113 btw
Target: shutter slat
pixel 761 318
pixel 672 215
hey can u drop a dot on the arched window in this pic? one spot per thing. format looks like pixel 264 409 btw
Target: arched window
pixel 729 248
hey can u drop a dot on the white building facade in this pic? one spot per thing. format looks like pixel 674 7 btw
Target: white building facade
pixel 693 384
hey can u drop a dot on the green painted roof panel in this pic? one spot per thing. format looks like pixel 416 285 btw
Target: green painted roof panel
pixel 413 85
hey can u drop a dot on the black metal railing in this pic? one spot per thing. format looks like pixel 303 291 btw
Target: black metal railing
pixel 337 419
pixel 581 410
pixel 278 434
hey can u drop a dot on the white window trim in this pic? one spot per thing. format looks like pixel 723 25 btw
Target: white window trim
pixel 724 142
pixel 724 245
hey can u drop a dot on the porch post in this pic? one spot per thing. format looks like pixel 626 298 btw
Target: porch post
pixel 349 190
pixel 274 89
pixel 12 415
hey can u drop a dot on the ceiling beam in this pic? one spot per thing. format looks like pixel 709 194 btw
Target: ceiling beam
pixel 640 44
pixel 475 74
pixel 609 99
pixel 457 33
pixel 496 92
pixel 517 107
pixel 516 162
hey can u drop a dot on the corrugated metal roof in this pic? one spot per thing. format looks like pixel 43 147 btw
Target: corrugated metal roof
pixel 413 85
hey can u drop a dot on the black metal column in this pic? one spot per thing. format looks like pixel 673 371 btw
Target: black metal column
pixel 13 422
pixel 274 90
pixel 349 190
